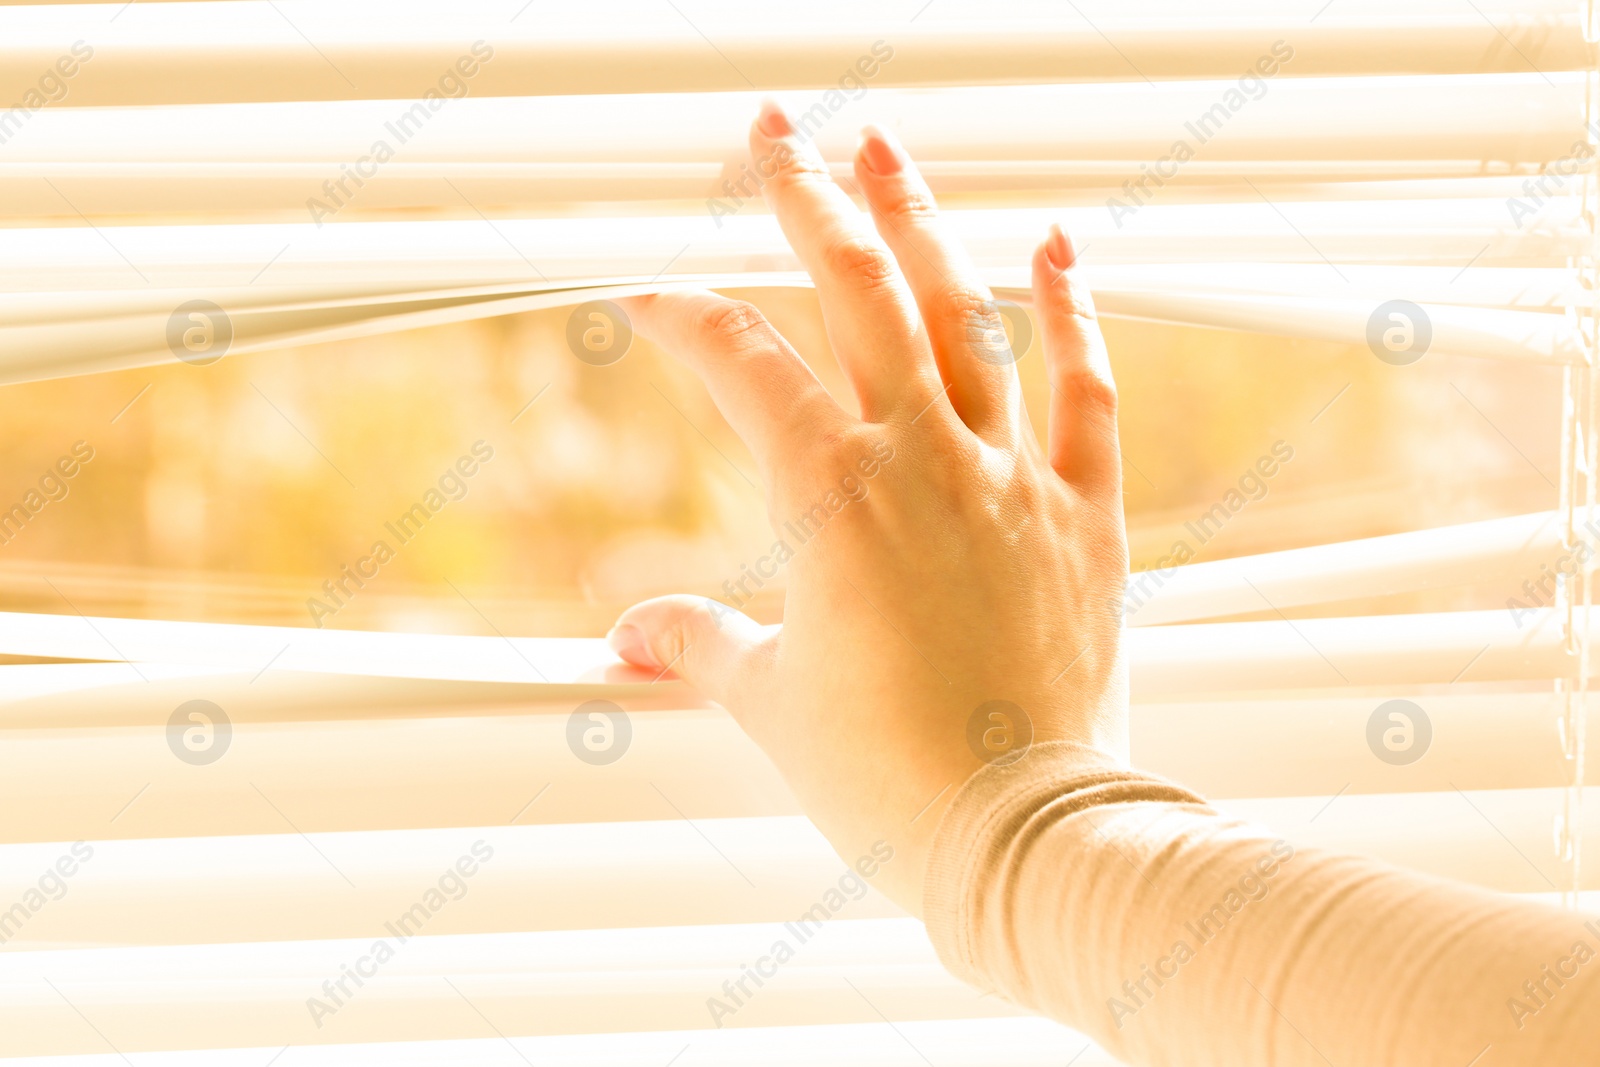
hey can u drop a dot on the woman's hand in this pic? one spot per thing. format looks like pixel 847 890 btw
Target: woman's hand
pixel 954 590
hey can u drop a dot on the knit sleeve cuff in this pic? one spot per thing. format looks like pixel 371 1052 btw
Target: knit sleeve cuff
pixel 994 820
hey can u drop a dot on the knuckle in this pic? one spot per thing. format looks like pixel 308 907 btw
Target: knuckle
pixel 973 311
pixel 856 258
pixel 736 323
pixel 843 460
pixel 910 206
pixel 837 449
pixel 677 644
pixel 1067 294
pixel 669 645
pixel 784 172
pixel 784 164
pixel 1076 302
pixel 1090 389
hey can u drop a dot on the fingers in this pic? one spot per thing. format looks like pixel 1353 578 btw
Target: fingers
pixel 759 383
pixel 711 646
pixel 871 317
pixel 1082 442
pixel 964 326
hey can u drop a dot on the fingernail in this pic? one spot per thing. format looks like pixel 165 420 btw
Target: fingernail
pixel 773 121
pixel 882 152
pixel 628 642
pixel 1058 249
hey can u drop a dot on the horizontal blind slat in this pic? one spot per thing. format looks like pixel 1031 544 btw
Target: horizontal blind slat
pixel 294 887
pixel 1028 1042
pixel 444 766
pixel 1489 118
pixel 1165 661
pixel 245 50
pixel 1507 549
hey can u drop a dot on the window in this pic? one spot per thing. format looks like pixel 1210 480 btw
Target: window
pixel 283 281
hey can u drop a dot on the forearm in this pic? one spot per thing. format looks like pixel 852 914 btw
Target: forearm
pixel 1123 906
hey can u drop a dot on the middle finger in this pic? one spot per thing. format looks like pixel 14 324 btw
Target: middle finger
pixel 871 318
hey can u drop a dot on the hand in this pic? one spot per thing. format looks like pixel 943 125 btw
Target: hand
pixel 941 559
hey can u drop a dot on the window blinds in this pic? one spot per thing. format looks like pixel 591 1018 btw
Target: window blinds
pixel 157 154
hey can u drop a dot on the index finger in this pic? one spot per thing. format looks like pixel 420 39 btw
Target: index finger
pixel 760 384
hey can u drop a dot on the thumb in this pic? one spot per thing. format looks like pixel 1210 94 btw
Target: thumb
pixel 706 643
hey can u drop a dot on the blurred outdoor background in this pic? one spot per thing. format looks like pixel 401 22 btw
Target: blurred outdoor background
pixel 232 492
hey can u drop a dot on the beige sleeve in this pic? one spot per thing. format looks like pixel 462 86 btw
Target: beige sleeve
pixel 1121 905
